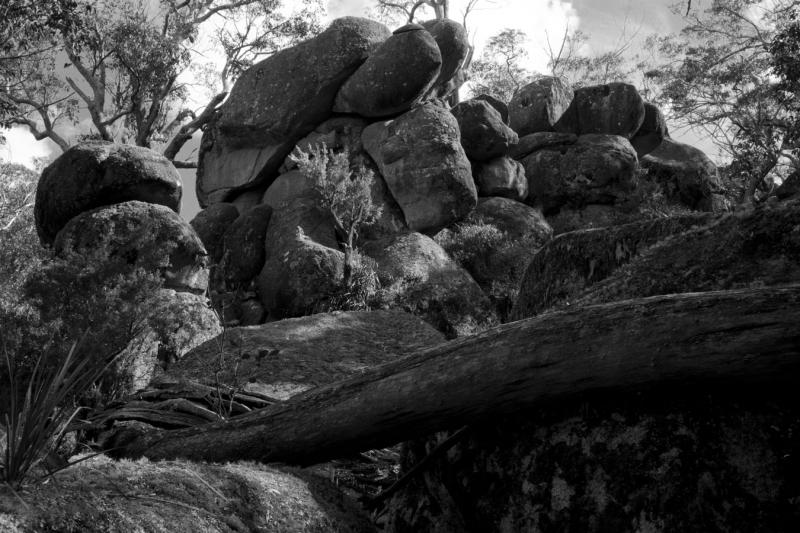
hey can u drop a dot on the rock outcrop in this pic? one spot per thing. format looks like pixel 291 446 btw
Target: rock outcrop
pixel 453 42
pixel 244 243
pixel 277 102
pixel 501 176
pixel 652 131
pixel 94 174
pixel 211 224
pixel 539 105
pixel 611 109
pixel 484 135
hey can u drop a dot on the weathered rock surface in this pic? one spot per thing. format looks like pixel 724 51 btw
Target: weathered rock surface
pixel 572 262
pixel 484 135
pixel 303 264
pixel 611 109
pixel 211 224
pixel 418 276
pixel 742 249
pixel 494 244
pixel 181 497
pixel 299 353
pixel 596 169
pixel 502 176
pixel 94 174
pixel 244 243
pixel 150 236
pixel 685 173
pixel 453 43
pixel 652 131
pixel 658 461
pixel 420 157
pixel 277 102
pixel 539 105
pixel 285 188
pixel 595 216
pixel 395 77
pixel 544 139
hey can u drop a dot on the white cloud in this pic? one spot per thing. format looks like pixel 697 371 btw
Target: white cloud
pixel 21 147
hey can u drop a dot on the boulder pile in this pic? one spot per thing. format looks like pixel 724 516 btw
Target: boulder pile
pixel 556 156
pixel 105 201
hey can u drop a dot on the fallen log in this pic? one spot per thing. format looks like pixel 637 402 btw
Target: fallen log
pixel 732 337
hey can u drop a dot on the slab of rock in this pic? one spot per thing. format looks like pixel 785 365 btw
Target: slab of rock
pixel 420 157
pixel 94 174
pixel 150 236
pixel 539 105
pixel 417 275
pixel 652 131
pixel 612 109
pixel 502 176
pixel 596 169
pixel 395 77
pixel 685 173
pixel 275 103
pixel 300 353
pixel 211 224
pixel 303 264
pixel 453 43
pixel 543 139
pixel 484 135
pixel 244 244
pixel 572 262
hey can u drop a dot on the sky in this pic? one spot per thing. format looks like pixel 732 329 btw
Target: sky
pixel 605 21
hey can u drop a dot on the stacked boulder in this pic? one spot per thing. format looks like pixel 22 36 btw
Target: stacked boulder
pixel 590 155
pixel 106 201
pixel 379 96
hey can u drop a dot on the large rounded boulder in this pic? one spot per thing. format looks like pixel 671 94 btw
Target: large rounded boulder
pixel 597 169
pixel 651 133
pixel 395 77
pixel 453 42
pixel 502 176
pixel 420 157
pixel 149 236
pixel 613 109
pixel 94 174
pixel 685 173
pixel 278 101
pixel 244 244
pixel 484 135
pixel 539 105
pixel 211 224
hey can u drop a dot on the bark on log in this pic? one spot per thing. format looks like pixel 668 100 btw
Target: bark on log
pixel 726 336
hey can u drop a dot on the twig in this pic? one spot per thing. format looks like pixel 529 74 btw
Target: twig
pixel 440 449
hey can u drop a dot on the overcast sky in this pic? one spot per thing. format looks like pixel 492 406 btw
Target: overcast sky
pixel 605 21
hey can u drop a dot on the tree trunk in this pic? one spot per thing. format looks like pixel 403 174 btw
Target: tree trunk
pixel 725 336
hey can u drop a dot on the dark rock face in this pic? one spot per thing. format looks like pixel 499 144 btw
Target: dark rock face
pixel 536 141
pixel 394 77
pixel 652 131
pixel 502 176
pixel 596 169
pixel 685 173
pixel 417 275
pixel 303 265
pixel 148 235
pixel 453 43
pixel 611 109
pixel 95 174
pixel 420 157
pixel 790 188
pixel 539 105
pixel 694 462
pixel 277 102
pixel 484 135
pixel 244 243
pixel 211 224
pixel 299 353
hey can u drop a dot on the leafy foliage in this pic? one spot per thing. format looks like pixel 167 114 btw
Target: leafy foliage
pixel 499 71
